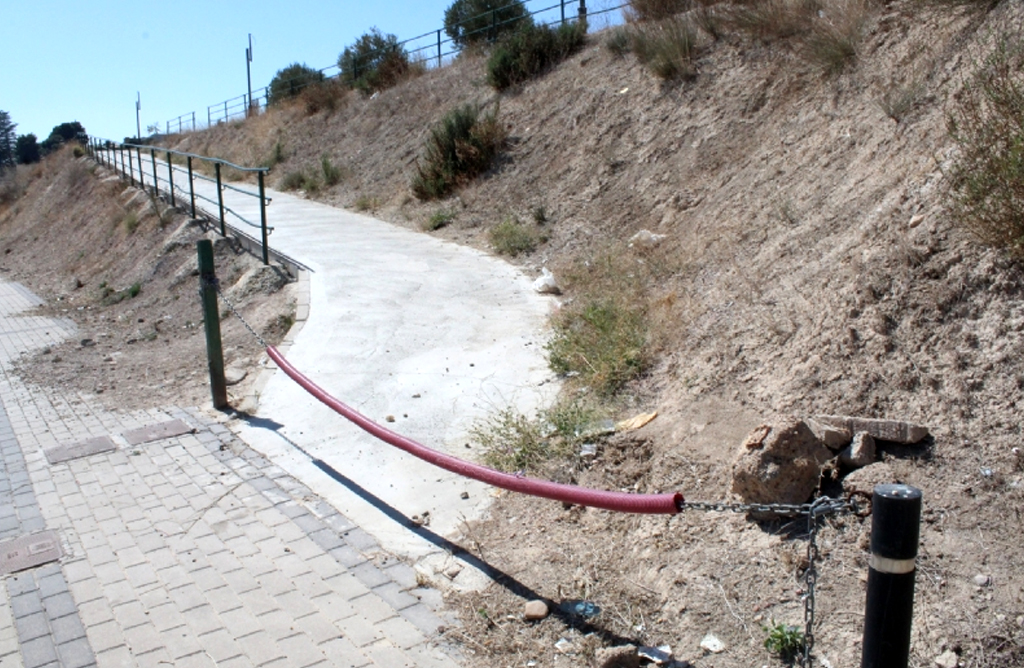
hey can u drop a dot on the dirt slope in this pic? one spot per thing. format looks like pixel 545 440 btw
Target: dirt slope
pixel 809 268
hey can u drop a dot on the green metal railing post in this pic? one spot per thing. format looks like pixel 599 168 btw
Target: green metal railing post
pixel 211 322
pixel 156 181
pixel 220 199
pixel 131 166
pixel 563 12
pixel 263 218
pixel 142 177
pixel 439 48
pixel 583 11
pixel 170 177
pixel 494 25
pixel 191 187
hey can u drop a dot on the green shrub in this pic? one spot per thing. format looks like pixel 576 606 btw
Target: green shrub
pixel 510 237
pixel 276 156
pixel 772 19
pixel 326 96
pixel 332 174
pixel 367 203
pixel 290 81
pixel 300 180
pixel 667 47
pixel 439 219
pixel 532 50
pixel 602 341
pixel 513 442
pixel 131 222
pixel 620 41
pixel 374 62
pixel 461 146
pixel 986 181
pixel 473 21
pixel 831 42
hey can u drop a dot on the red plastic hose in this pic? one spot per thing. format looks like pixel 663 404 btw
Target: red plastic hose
pixel 616 501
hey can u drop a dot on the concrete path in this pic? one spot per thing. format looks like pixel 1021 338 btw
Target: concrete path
pixel 182 550
pixel 404 327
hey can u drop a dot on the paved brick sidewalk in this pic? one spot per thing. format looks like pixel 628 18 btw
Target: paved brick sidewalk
pixel 191 550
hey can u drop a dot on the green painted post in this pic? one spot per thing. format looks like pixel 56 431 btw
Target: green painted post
pixel 263 218
pixel 191 187
pixel 131 166
pixel 170 178
pixel 220 199
pixel 211 321
pixel 156 181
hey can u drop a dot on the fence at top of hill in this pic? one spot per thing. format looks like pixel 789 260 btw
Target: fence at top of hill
pixel 431 49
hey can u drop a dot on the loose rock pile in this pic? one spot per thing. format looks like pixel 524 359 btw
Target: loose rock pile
pixel 782 460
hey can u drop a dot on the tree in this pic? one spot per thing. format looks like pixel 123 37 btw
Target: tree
pixel 65 132
pixel 27 150
pixel 290 81
pixel 376 61
pixel 7 141
pixel 472 21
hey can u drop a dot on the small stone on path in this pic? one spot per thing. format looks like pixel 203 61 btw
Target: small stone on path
pixel 534 610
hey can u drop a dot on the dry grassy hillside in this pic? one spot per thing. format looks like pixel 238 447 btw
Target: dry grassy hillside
pixel 809 266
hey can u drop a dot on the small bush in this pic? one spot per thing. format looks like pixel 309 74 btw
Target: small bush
pixel 439 219
pixel 510 237
pixel 131 222
pixel 898 101
pixel 276 156
pixel 532 50
pixel 367 203
pixel 986 181
pixel 291 81
pixel 667 47
pixel 78 152
pixel 831 42
pixel 333 175
pixel 654 10
pixel 326 96
pixel 460 147
pixel 10 188
pixel 300 180
pixel 513 442
pixel 772 19
pixel 620 41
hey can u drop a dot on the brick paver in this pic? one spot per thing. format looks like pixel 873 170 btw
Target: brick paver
pixel 191 551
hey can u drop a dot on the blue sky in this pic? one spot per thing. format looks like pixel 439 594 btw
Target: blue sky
pixel 69 60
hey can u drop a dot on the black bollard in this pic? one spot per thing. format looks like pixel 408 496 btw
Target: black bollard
pixel 895 529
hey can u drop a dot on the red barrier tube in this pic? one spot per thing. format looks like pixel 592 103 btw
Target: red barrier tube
pixel 615 501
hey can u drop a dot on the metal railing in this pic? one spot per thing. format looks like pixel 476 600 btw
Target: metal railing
pixel 431 49
pixel 129 161
pixel 184 122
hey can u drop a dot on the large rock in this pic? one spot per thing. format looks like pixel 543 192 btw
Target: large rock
pixel 779 462
pixel 896 431
pixel 864 481
pixel 833 438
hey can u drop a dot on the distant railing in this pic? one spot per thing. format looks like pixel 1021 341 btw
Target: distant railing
pixel 127 159
pixel 431 49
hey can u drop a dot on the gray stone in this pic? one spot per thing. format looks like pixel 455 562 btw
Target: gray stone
pixel 534 610
pixel 834 438
pixel 779 462
pixel 29 551
pixel 156 432
pixel 864 481
pixel 623 656
pixel 982 580
pixel 92 446
pixel 883 430
pixel 947 659
pixel 860 453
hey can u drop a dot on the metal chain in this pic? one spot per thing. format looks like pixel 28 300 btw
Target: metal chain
pixel 215 284
pixel 821 506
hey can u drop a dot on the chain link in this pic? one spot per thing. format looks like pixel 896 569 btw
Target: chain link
pixel 821 506
pixel 215 284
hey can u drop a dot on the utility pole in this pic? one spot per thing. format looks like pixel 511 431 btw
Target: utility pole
pixel 138 116
pixel 248 75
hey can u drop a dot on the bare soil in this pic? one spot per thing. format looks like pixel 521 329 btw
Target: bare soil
pixel 85 241
pixel 809 267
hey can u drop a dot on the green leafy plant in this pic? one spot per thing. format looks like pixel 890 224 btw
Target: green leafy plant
pixel 276 156
pixel 300 180
pixel 513 238
pixel 985 185
pixel 461 146
pixel 784 640
pixel 667 47
pixel 332 174
pixel 367 203
pixel 532 50
pixel 513 442
pixel 131 222
pixel 439 219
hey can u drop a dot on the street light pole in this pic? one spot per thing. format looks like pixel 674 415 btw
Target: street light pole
pixel 138 116
pixel 248 74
